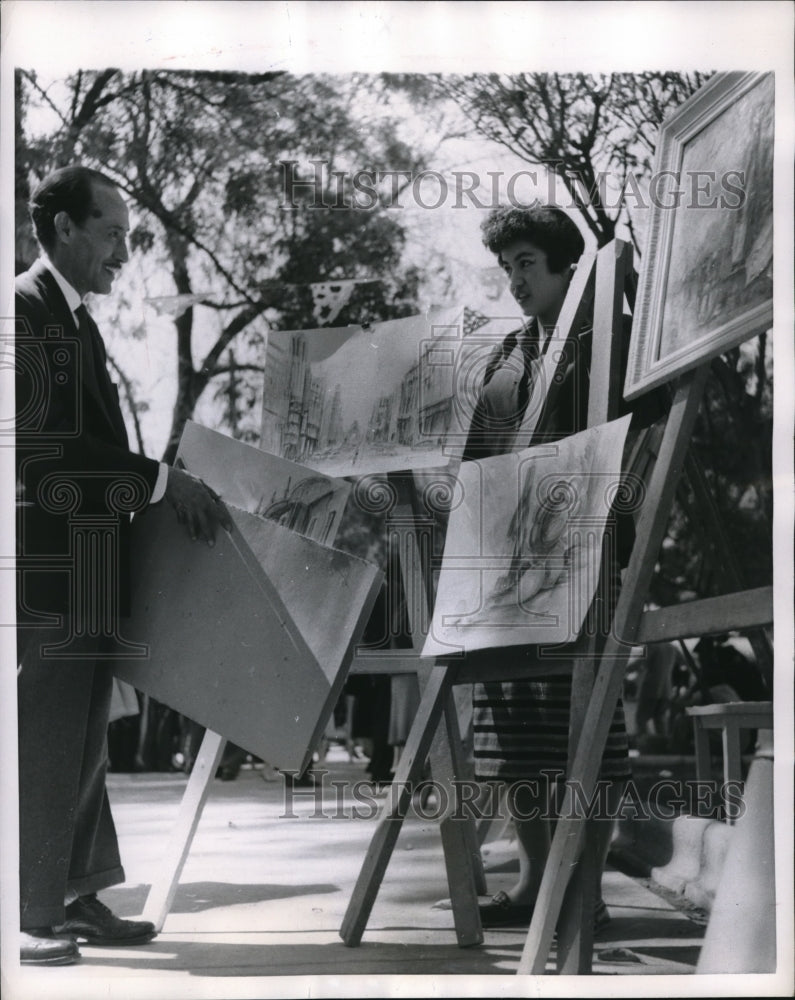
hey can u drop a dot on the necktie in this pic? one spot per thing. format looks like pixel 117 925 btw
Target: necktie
pixel 96 368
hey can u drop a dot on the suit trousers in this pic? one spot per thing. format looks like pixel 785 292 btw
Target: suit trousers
pixel 67 838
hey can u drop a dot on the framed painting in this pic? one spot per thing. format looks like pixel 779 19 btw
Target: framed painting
pixel 706 283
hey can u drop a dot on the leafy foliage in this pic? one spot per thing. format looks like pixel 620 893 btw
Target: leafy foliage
pixel 597 133
pixel 722 541
pixel 199 154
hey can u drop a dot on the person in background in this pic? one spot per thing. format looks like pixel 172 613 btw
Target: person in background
pixel 662 662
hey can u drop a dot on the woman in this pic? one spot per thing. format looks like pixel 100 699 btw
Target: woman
pixel 521 729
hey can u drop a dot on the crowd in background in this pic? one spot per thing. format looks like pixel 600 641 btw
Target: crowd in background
pixel 373 715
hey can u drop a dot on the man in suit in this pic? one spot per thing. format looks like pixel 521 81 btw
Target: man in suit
pixel 78 482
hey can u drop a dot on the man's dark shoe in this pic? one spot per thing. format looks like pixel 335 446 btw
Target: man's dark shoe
pixel 91 922
pixel 39 946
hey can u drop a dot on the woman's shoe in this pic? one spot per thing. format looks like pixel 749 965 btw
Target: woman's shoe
pixel 501 911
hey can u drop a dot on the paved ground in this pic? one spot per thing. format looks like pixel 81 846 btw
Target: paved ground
pixel 265 889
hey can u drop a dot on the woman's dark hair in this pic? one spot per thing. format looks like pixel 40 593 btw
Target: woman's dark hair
pixel 545 226
pixel 69 190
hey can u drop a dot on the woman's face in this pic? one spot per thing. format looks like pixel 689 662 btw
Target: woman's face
pixel 538 290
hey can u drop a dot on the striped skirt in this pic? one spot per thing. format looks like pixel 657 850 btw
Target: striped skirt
pixel 521 729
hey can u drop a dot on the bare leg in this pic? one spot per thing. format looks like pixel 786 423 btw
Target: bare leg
pixel 534 833
pixel 606 829
pixel 529 808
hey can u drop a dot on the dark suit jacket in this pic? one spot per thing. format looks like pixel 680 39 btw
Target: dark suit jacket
pixel 74 464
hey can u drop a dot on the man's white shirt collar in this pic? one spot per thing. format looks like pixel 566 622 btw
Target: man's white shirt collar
pixel 72 296
pixel 73 300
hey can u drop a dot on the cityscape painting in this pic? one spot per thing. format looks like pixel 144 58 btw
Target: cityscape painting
pixel 273 488
pixel 397 395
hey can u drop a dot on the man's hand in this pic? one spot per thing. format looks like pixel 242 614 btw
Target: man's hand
pixel 197 506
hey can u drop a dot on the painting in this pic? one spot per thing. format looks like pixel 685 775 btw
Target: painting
pixel 707 278
pixel 252 638
pixel 355 401
pixel 522 553
pixel 265 485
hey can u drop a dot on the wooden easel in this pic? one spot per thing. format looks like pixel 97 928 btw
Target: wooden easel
pixel 411 528
pixel 565 900
pixel 464 868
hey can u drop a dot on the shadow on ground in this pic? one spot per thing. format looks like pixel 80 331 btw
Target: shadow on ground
pixel 195 897
pixel 269 958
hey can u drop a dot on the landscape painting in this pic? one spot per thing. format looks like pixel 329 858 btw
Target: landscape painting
pixel 707 280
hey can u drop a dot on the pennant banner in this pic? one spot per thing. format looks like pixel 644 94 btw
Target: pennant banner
pixel 175 305
pixel 473 320
pixel 330 298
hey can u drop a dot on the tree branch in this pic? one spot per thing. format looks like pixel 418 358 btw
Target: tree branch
pixel 226 369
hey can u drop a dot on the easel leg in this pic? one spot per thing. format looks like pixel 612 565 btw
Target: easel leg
pixel 164 885
pixel 463 862
pixel 575 927
pixel 409 770
pixel 607 686
pixel 570 828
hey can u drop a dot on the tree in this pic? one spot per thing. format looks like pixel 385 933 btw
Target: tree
pixel 202 157
pixel 731 450
pixel 597 133
pixel 240 219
